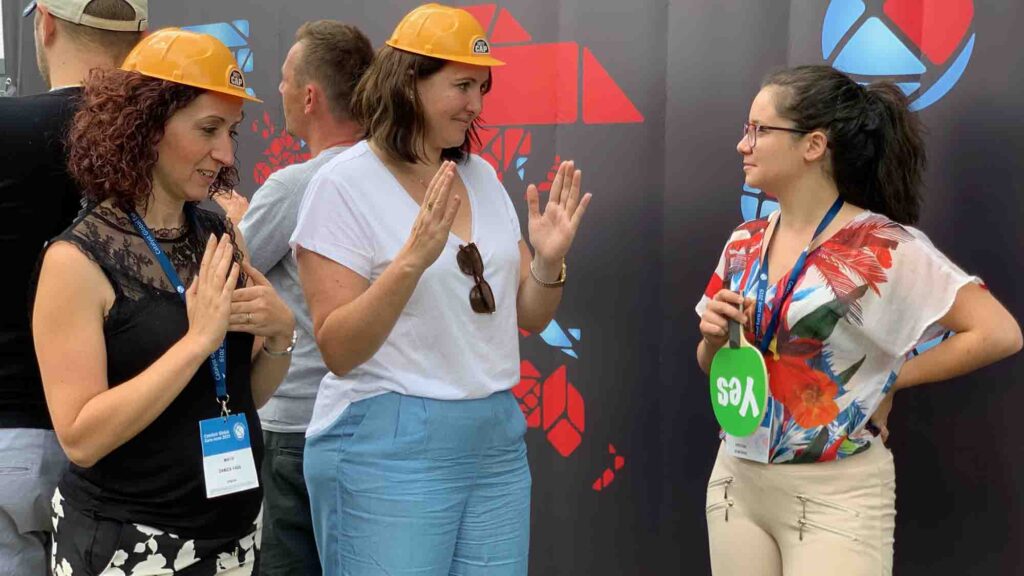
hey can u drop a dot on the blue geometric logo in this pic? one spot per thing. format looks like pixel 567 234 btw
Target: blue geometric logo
pixel 755 204
pixel 556 337
pixel 234 35
pixel 922 46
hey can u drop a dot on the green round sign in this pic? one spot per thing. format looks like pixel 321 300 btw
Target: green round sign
pixel 739 388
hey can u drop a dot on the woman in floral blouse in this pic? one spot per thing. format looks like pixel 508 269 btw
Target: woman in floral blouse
pixel 845 162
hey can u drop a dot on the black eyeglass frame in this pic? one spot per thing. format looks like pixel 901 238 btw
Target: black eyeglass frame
pixel 750 132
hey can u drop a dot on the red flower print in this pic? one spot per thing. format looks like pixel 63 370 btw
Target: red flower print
pixel 808 394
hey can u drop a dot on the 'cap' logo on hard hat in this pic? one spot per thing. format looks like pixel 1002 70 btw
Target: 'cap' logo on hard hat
pixel 236 79
pixel 480 46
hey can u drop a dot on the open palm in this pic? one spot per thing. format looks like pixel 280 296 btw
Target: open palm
pixel 552 232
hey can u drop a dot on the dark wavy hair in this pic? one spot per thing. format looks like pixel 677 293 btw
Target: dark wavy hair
pixel 877 154
pixel 113 137
pixel 388 106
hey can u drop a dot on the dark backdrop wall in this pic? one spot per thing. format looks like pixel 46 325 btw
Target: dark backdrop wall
pixel 648 98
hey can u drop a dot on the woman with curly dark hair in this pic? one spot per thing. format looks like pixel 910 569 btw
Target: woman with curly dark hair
pixel 152 386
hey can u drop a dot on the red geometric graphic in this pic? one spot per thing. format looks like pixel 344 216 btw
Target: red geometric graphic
pixel 606 478
pixel 283 150
pixel 507 30
pixel 541 84
pixel 603 100
pixel 555 406
pixel 936 26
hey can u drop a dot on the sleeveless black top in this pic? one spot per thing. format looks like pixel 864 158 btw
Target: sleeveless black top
pixel 156 478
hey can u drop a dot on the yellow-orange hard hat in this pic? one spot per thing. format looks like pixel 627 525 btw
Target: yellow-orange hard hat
pixel 443 32
pixel 188 58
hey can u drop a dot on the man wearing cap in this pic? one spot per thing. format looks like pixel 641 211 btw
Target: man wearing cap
pixel 72 37
pixel 319 74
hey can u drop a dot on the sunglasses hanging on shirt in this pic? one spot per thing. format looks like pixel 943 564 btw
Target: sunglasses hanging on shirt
pixel 481 298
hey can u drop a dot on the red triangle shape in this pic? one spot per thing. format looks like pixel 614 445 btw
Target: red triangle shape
pixel 483 13
pixel 508 30
pixel 604 102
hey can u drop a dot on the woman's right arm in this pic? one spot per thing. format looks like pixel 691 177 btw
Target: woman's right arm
pixel 90 418
pixel 351 317
pixel 714 324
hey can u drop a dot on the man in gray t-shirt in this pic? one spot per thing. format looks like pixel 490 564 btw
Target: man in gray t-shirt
pixel 318 76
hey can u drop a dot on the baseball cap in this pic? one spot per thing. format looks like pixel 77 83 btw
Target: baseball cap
pixel 74 11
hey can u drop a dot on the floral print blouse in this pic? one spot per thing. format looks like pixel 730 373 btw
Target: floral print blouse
pixel 869 295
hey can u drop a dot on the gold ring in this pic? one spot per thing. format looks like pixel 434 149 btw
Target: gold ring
pixel 248 317
pixel 430 205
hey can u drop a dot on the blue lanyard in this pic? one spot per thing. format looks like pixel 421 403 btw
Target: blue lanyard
pixel 218 360
pixel 794 275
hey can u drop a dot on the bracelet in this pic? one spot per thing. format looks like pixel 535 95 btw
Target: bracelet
pixel 287 351
pixel 556 284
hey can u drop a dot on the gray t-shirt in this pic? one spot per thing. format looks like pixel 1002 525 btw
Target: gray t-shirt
pixel 266 227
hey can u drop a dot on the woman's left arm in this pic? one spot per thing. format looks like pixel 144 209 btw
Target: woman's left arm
pixel 984 332
pixel 258 310
pixel 551 234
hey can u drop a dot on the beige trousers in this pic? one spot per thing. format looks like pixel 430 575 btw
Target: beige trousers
pixel 834 518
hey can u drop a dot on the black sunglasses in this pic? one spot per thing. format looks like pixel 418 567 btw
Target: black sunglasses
pixel 481 298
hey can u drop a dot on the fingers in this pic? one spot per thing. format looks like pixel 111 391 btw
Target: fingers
pixel 230 282
pixel 555 195
pixel 204 264
pixel 450 212
pixel 533 201
pixel 257 277
pixel 224 263
pixel 433 189
pixel 726 304
pixel 577 216
pixel 573 198
pixel 440 208
pixel 567 179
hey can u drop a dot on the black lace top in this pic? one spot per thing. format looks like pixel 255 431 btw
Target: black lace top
pixel 156 478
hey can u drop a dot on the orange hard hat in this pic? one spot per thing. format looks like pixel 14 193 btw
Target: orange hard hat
pixel 188 58
pixel 443 32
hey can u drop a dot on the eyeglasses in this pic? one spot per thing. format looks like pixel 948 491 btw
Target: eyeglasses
pixel 750 130
pixel 481 298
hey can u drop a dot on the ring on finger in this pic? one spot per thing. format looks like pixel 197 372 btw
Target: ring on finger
pixel 248 317
pixel 430 205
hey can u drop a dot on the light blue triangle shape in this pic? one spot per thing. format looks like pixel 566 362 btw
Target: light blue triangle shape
pixel 840 16
pixel 554 336
pixel 242 25
pixel 908 87
pixel 575 333
pixel 875 51
pixel 570 352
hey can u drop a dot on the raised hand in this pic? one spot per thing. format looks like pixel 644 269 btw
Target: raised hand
pixel 430 229
pixel 208 298
pixel 259 310
pixel 234 205
pixel 552 232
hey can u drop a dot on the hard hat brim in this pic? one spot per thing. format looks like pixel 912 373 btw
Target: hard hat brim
pixel 237 93
pixel 476 59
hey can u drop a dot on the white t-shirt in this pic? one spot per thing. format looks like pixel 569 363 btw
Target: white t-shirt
pixel 357 214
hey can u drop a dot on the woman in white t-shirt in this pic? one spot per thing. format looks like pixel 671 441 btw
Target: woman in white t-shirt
pixel 417 279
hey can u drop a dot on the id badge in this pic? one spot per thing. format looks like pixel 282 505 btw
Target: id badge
pixel 228 465
pixel 756 446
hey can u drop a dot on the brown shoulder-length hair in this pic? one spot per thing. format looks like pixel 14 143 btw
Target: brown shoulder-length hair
pixel 113 137
pixel 388 107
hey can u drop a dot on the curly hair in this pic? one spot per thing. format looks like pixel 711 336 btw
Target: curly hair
pixel 113 137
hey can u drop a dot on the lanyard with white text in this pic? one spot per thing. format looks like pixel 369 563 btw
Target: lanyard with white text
pixel 762 279
pixel 218 360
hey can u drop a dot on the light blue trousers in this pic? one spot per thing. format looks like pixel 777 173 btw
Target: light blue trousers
pixel 401 485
